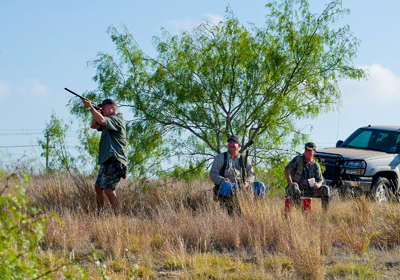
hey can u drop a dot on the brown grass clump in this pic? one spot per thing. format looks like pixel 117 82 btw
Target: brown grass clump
pixel 176 230
pixel 263 220
pixel 71 234
pixel 62 193
pixel 354 225
pixel 300 239
pixel 387 226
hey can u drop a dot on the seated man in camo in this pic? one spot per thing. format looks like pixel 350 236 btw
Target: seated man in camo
pixel 299 170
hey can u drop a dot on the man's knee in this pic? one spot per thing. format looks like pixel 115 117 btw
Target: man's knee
pixel 259 188
pixel 292 190
pixel 325 191
pixel 109 192
pixel 225 188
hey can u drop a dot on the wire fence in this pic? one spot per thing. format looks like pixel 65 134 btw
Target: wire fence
pixel 29 132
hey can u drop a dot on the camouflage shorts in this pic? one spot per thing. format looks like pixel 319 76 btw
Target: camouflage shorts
pixel 107 182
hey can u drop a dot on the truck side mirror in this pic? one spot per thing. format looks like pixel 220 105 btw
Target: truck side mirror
pixel 339 143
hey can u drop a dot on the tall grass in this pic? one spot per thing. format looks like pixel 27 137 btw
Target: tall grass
pixel 354 225
pixel 177 230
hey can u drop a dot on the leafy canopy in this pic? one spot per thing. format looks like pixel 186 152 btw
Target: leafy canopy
pixel 217 80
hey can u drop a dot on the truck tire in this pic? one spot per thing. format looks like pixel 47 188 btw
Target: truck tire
pixel 381 190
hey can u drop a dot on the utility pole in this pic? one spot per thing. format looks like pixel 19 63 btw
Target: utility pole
pixel 47 150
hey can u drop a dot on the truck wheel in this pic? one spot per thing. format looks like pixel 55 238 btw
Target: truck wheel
pixel 381 188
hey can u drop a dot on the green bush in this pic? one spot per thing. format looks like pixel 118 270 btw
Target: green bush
pixel 188 173
pixel 21 231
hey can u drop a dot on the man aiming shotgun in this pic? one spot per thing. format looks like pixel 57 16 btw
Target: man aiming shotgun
pixel 112 159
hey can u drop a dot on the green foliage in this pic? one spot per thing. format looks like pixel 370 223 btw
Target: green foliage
pixel 54 145
pixel 21 230
pixel 188 173
pixel 146 147
pixel 274 176
pixel 223 79
pixel 89 149
pixel 361 270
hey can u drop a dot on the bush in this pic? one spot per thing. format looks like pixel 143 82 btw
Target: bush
pixel 21 231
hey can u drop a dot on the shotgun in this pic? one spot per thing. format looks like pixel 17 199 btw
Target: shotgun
pixel 83 98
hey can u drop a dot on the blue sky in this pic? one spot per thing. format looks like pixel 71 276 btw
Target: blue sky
pixel 45 46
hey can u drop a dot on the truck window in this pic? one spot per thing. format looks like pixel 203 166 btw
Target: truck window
pixel 384 141
pixel 379 140
pixel 361 140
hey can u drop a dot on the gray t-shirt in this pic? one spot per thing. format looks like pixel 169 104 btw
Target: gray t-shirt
pixel 113 139
pixel 232 170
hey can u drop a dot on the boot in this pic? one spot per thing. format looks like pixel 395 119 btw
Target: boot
pixel 296 200
pixel 325 200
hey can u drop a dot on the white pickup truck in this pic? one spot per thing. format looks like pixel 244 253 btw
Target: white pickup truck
pixel 367 161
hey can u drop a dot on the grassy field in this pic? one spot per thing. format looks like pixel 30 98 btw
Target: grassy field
pixel 176 231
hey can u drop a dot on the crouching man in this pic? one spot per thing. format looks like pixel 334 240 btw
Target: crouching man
pixel 231 172
pixel 299 171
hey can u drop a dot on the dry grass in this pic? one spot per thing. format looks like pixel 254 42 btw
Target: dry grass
pixel 354 225
pixel 388 226
pixel 177 231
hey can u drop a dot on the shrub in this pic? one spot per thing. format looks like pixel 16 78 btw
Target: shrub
pixel 21 231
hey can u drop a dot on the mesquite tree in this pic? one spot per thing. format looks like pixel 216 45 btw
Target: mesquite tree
pixel 217 80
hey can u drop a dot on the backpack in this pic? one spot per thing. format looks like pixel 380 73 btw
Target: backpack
pixel 241 163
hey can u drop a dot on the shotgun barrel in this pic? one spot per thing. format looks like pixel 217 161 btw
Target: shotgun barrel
pixel 83 98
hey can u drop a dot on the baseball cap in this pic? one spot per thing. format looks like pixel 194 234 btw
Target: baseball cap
pixel 234 138
pixel 108 101
pixel 310 146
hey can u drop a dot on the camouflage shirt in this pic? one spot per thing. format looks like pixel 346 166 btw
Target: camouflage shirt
pixel 301 171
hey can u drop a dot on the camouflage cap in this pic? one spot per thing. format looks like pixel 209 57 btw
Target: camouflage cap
pixel 234 138
pixel 310 146
pixel 108 101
